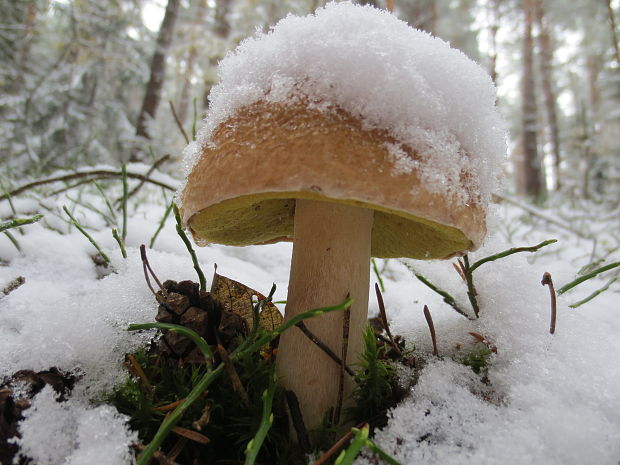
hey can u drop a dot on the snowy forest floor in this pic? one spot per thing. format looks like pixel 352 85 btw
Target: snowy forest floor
pixel 551 399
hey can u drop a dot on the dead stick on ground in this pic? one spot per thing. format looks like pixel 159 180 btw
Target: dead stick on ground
pixel 384 320
pixel 431 327
pixel 233 375
pixel 337 446
pixel 323 347
pixel 547 281
pixel 346 321
pixel 298 422
pixel 153 167
pixel 178 121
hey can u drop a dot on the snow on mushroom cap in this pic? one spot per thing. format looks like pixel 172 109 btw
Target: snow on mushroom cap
pixel 374 66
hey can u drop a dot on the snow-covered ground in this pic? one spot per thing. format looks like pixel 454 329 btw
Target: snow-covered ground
pixel 550 399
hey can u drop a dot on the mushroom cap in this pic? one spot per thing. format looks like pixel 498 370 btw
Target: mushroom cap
pixel 243 187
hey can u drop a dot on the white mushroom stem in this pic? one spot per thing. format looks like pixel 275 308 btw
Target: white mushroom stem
pixel 331 258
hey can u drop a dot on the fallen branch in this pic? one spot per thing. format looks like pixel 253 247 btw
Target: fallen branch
pixel 91 175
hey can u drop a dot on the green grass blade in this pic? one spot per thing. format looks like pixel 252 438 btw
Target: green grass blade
pixel 185 331
pixel 17 222
pixel 255 444
pixel 108 204
pixel 14 241
pixel 124 202
pixel 585 277
pixel 120 242
pixel 595 293
pixel 381 453
pixel 106 259
pixel 348 455
pixel 509 252
pixel 378 275
pixel 161 225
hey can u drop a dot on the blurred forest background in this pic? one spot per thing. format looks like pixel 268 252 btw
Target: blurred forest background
pixel 87 82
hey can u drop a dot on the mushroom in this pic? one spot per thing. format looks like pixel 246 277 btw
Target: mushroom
pixel 338 172
pixel 320 179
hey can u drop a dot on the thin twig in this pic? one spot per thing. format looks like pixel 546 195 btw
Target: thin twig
pixel 237 385
pixel 547 281
pixel 140 372
pixel 384 320
pixel 298 421
pixel 336 447
pixel 146 265
pixel 431 327
pixel 346 322
pixel 321 345
pixel 91 175
pixel 153 167
pixel 178 121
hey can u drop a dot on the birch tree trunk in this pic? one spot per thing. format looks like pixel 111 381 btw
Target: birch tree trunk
pixel 531 176
pixel 545 59
pixel 158 68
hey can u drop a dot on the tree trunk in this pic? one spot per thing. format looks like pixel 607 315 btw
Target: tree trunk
pixel 197 24
pixel 530 167
pixel 493 29
pixel 614 33
pixel 158 68
pixel 546 72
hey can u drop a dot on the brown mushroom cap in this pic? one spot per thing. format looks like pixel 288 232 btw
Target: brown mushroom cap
pixel 242 189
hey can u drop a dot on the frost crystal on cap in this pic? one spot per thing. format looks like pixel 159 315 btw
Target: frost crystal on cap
pixel 429 96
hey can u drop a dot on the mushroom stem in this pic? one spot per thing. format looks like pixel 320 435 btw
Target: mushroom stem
pixel 331 258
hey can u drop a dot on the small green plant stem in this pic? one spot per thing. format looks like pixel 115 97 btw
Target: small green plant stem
pixel 585 277
pixel 120 242
pixel 447 298
pixel 471 289
pixel 255 444
pixel 246 347
pixel 348 455
pixel 124 201
pixel 14 241
pixel 511 251
pixel 378 274
pixel 381 453
pixel 595 293
pixel 106 259
pixel 106 199
pixel 17 222
pixel 161 225
pixel 201 276
pixel 361 440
